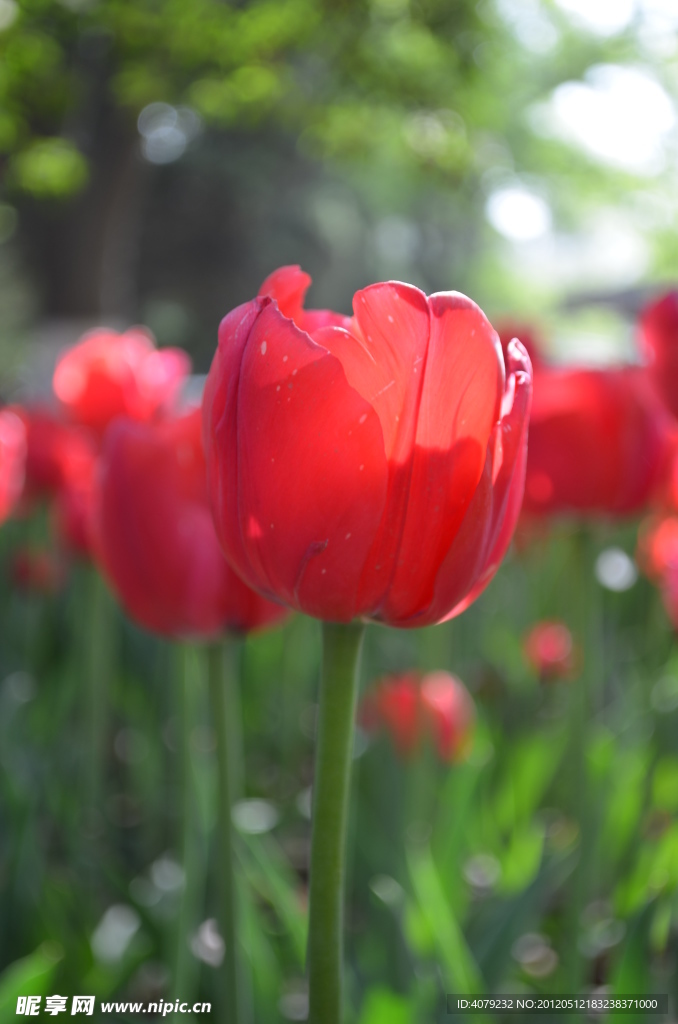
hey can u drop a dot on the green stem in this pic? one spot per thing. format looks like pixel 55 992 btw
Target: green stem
pixel 223 689
pixel 338 691
pixel 584 696
pixel 185 964
pixel 98 658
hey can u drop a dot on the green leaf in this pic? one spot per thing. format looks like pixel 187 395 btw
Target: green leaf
pixel 384 1007
pixel 461 970
pixel 270 875
pixel 665 784
pixel 31 976
pixel 521 862
pixel 531 767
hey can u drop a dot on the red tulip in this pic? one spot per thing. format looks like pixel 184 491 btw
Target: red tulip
pixel 450 713
pixel 412 707
pixel 658 546
pixel 60 462
pixel 154 535
pixel 12 460
pixel 659 339
pixel 394 703
pixel 73 504
pixel 669 592
pixel 108 375
pixel 549 649
pixel 38 570
pixel 288 287
pixel 598 442
pixel 373 469
pixel 53 447
pixel 658 557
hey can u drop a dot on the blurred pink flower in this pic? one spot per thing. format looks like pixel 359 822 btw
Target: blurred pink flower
pixel 107 375
pixel 550 650
pixel 411 706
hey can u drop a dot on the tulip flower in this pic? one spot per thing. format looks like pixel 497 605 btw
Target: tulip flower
pixel 550 651
pixel 38 570
pixel 598 442
pixel 73 503
pixel 154 536
pixel 365 467
pixel 411 706
pixel 658 558
pixel 658 545
pixel 449 711
pixel 54 451
pixel 669 593
pixel 659 341
pixel 60 462
pixel 108 375
pixel 12 460
pixel 157 547
pixel 394 703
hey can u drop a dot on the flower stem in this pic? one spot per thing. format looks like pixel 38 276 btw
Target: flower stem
pixel 185 964
pixel 98 661
pixel 338 691
pixel 584 697
pixel 223 690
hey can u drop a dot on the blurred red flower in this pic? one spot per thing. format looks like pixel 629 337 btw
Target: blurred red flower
pixel 450 712
pixel 550 650
pixel 12 460
pixel 374 466
pixel 658 545
pixel 37 569
pixel 60 462
pixel 154 536
pixel 411 706
pixel 52 448
pixel 108 375
pixel 659 341
pixel 599 442
pixel 394 703
pixel 73 503
pixel 657 556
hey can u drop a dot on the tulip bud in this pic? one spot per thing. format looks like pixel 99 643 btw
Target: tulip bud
pixel 412 707
pixel 550 651
pixel 12 460
pixel 108 375
pixel 154 537
pixel 599 442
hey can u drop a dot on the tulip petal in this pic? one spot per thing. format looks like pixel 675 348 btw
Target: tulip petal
pixel 288 286
pixel 383 355
pixel 386 356
pixel 508 487
pixel 304 453
pixel 459 408
pixel 220 429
